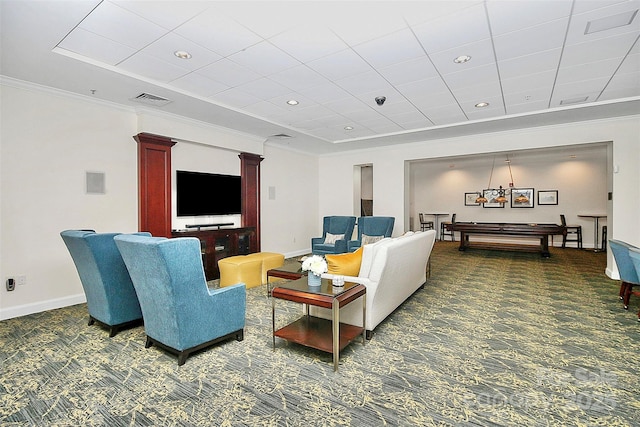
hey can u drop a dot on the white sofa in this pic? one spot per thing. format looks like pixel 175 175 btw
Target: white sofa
pixel 392 269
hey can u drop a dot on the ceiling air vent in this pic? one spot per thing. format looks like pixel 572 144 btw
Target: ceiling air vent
pixel 147 98
pixel 281 136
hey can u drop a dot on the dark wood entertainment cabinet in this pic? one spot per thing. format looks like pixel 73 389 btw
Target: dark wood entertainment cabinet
pixel 222 243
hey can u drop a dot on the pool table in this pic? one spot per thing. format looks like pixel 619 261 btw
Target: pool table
pixel 539 232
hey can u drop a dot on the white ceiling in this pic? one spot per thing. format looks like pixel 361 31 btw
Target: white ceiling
pixel 533 61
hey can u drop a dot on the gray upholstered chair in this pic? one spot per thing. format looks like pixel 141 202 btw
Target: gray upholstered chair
pixel 371 229
pixel 336 232
pixel 628 274
pixel 181 314
pixel 111 298
pixel 634 254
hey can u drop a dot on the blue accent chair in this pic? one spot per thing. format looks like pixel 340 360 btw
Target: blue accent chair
pixel 372 226
pixel 181 315
pixel 111 298
pixel 336 225
pixel 628 274
pixel 634 253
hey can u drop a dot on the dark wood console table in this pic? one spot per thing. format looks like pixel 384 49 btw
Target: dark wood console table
pixel 221 243
pixel 534 231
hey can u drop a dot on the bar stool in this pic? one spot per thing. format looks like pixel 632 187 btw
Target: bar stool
pixel 425 225
pixel 445 232
pixel 572 233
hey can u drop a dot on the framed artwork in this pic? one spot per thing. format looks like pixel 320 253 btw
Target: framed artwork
pixel 490 194
pixel 518 192
pixel 548 197
pixel 470 199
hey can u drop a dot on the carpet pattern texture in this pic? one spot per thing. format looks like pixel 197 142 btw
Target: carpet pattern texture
pixel 493 339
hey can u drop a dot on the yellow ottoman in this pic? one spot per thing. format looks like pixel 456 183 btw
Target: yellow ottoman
pixel 269 260
pixel 240 269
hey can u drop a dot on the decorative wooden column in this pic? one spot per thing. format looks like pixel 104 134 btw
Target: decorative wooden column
pixel 154 184
pixel 250 187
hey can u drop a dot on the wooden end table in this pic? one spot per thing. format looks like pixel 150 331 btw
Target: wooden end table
pixel 326 335
pixel 288 271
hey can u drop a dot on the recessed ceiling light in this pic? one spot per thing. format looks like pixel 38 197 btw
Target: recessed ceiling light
pixel 348 128
pixel 182 54
pixel 292 102
pixel 462 59
pixel 482 104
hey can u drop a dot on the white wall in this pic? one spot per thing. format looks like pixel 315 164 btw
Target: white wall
pixel 438 185
pixel 48 142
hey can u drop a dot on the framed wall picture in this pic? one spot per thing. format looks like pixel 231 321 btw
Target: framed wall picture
pixel 518 195
pixel 548 197
pixel 470 199
pixel 490 194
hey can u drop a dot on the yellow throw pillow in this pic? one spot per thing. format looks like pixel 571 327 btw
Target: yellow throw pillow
pixel 345 264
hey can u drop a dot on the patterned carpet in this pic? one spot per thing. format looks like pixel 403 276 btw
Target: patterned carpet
pixel 494 339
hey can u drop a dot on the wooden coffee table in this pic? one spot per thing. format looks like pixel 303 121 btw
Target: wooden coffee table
pixel 326 335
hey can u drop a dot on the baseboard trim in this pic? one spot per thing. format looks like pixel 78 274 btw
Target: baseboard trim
pixel 38 307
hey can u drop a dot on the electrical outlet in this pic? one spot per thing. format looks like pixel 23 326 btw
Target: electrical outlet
pixel 11 284
pixel 21 280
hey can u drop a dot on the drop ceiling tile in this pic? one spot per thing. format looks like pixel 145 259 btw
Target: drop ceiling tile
pixel 326 92
pixel 529 82
pixel 435 100
pixel 403 118
pixel 151 67
pixel 445 34
pixel 298 78
pixel 539 62
pixel 229 73
pixel 485 74
pixel 478 93
pixel 235 98
pixel 443 115
pixel 376 20
pixel 218 33
pixel 528 95
pixel 527 107
pixel 588 71
pixel 363 83
pixel 484 113
pixel 391 49
pixel 122 26
pixel 410 71
pixel 165 47
pixel 167 14
pixel 264 58
pixel 578 89
pixel 422 88
pixel 264 88
pixel 281 100
pixel 199 85
pixel 96 47
pixel 590 5
pixel 631 64
pixel 509 16
pixel 600 49
pixel 306 43
pixel 419 12
pixel 382 125
pixel 495 103
pixel 265 109
pixel 340 65
pixel 345 105
pixel 530 40
pixel 621 11
pixel 362 115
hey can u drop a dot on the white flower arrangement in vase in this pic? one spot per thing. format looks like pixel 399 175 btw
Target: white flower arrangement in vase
pixel 315 264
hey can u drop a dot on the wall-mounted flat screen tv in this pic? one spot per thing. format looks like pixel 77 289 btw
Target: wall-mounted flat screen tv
pixel 201 193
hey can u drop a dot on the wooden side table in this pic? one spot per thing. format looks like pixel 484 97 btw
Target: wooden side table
pixel 326 335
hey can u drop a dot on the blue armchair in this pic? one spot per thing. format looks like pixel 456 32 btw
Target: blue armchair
pixel 634 254
pixel 340 229
pixel 372 228
pixel 111 298
pixel 628 274
pixel 181 315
